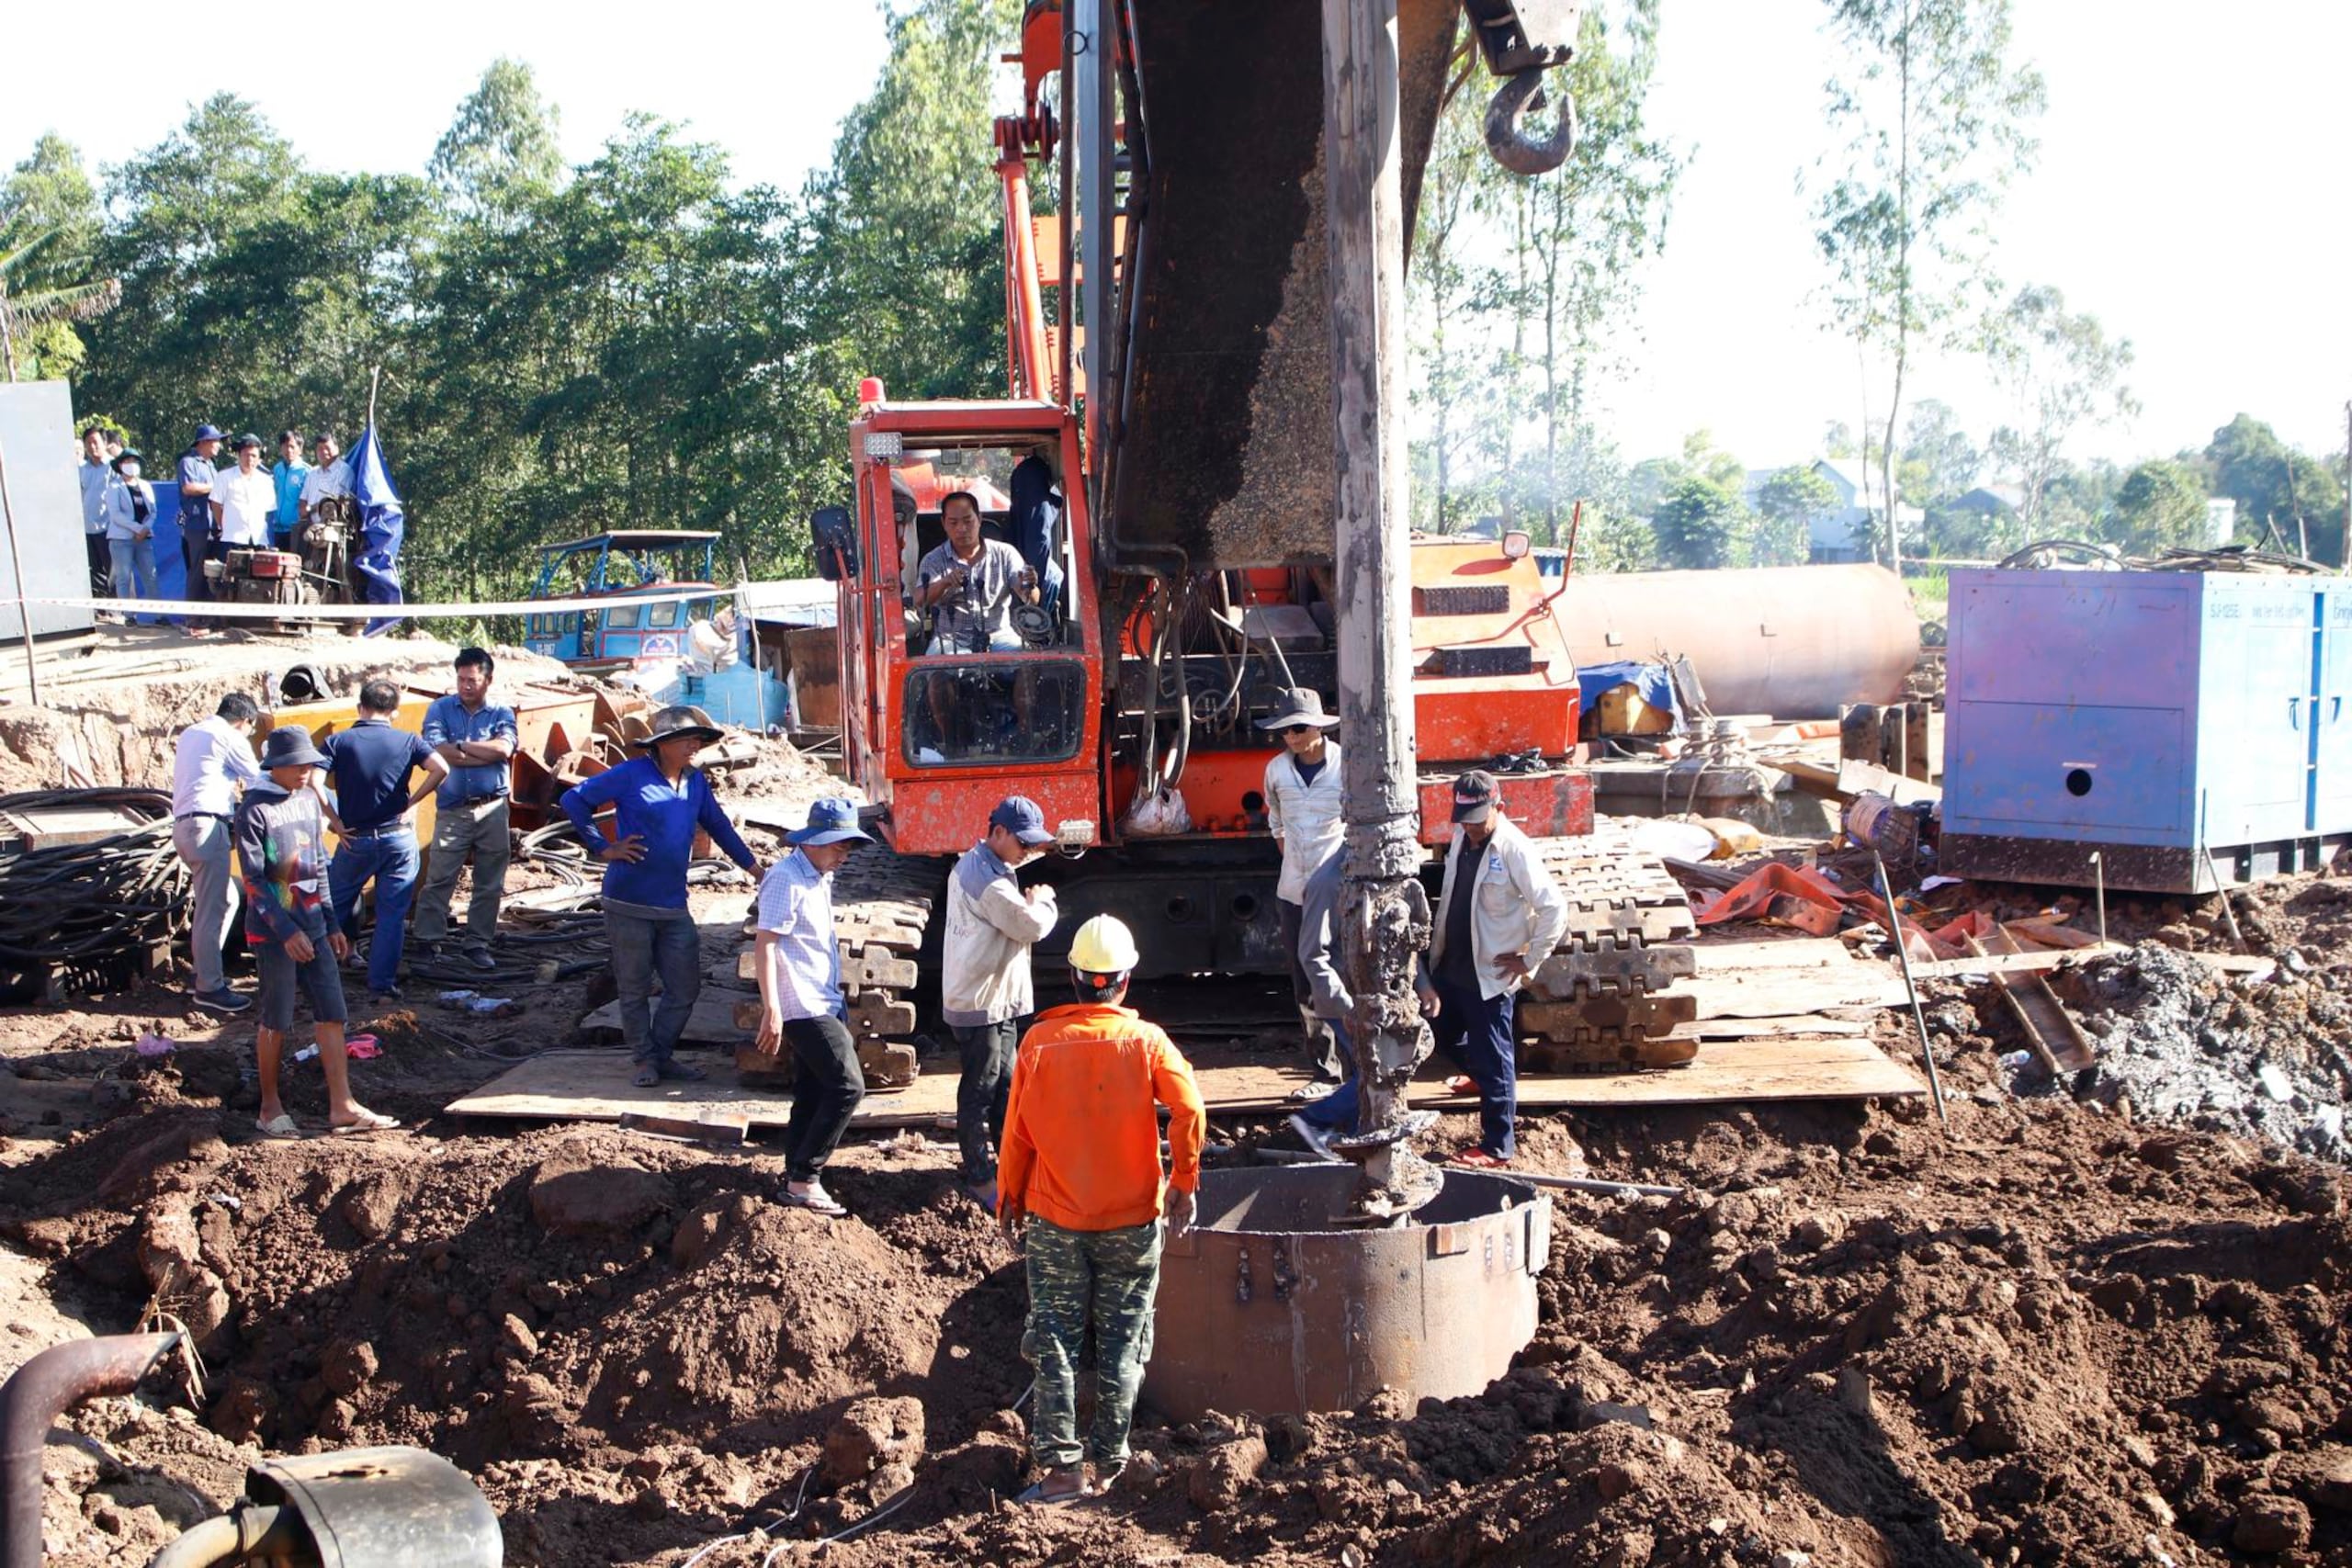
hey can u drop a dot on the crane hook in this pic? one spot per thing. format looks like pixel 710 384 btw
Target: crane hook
pixel 1507 133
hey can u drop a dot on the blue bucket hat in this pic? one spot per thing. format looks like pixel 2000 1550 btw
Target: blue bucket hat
pixel 208 433
pixel 1021 817
pixel 833 820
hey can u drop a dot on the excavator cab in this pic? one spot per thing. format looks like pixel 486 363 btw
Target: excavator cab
pixel 931 710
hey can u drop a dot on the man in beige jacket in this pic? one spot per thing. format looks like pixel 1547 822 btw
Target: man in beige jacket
pixel 1498 919
pixel 985 992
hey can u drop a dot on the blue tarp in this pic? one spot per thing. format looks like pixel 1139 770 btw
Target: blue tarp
pixel 382 526
pixel 1652 683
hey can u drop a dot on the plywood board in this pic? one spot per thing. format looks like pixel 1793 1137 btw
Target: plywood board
pixel 1788 952
pixel 1811 1025
pixel 593 1086
pixel 711 1024
pixel 1768 993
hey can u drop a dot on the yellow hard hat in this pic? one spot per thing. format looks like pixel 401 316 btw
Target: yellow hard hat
pixel 1103 946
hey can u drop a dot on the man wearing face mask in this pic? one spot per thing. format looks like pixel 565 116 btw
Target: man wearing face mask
pixel 126 513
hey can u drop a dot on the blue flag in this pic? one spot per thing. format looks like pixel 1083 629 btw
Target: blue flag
pixel 382 525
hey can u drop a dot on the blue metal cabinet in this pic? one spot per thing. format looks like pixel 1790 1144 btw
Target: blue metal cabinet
pixel 2145 718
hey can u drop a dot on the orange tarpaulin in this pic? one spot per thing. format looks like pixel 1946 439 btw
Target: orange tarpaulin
pixel 1790 895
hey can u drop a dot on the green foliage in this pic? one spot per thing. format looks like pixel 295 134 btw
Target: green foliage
pixel 2064 372
pixel 1934 115
pixel 2161 505
pixel 2284 496
pixel 632 343
pixel 1699 523
pixel 49 222
pixel 500 153
pixel 1785 508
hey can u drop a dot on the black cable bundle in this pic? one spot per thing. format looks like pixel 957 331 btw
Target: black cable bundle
pixel 86 916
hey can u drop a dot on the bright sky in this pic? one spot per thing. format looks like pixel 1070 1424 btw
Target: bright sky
pixel 2185 193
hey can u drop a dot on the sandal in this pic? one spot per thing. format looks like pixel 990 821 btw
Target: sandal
pixel 1477 1159
pixel 678 1072
pixel 816 1201
pixel 365 1121
pixel 646 1076
pixel 278 1127
pixel 1036 1494
pixel 1462 1084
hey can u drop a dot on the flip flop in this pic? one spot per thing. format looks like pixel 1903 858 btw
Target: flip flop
pixel 646 1076
pixel 368 1122
pixel 281 1126
pixel 1462 1083
pixel 1037 1496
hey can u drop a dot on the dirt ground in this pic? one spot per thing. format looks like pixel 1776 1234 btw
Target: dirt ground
pixel 2095 1322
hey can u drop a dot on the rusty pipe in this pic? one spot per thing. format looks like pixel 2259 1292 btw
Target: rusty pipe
pixel 43 1388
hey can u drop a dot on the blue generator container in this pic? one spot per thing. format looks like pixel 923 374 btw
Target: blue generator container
pixel 2188 729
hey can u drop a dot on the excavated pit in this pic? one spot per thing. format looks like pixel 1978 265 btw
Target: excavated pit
pixel 1275 1303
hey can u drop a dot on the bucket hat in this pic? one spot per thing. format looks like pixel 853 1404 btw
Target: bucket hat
pixel 288 746
pixel 833 820
pixel 673 722
pixel 1299 706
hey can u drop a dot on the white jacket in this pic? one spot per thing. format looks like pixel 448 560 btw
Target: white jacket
pixel 1305 816
pixel 1519 909
pixel 984 961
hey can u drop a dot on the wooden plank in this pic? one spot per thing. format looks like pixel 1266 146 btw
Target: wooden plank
pixel 2011 963
pixel 2050 934
pixel 2052 1033
pixel 1800 1026
pixel 711 1024
pixel 1786 953
pixel 1770 994
pixel 593 1086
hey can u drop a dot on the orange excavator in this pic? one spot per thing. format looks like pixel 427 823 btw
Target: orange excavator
pixel 1178 522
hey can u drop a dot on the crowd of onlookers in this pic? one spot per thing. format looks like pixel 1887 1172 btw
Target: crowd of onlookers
pixel 242 506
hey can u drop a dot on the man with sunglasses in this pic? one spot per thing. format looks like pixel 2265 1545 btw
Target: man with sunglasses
pixel 1303 813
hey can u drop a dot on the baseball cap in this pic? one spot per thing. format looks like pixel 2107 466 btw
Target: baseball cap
pixel 1474 796
pixel 1021 817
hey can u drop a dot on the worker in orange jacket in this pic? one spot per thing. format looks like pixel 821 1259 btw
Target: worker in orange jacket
pixel 1080 1172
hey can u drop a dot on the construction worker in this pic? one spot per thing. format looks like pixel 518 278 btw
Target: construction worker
pixel 1317 953
pixel 985 992
pixel 1081 1176
pixel 968 585
pixel 1498 917
pixel 471 813
pixel 800 997
pixel 368 766
pixel 1303 814
pixel 212 764
pixel 660 801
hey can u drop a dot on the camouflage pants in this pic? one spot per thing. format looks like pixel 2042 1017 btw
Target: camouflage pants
pixel 1106 1279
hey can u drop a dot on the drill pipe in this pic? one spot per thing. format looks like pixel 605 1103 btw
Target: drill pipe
pixel 50 1383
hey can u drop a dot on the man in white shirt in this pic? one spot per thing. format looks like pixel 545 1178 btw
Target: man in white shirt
pixel 801 1003
pixel 211 764
pixel 244 499
pixel 329 475
pixel 95 475
pixel 1303 813
pixel 986 994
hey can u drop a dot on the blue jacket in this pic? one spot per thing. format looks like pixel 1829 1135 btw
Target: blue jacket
pixel 644 803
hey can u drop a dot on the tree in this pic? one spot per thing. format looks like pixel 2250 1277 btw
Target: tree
pixel 1452 380
pixel 2161 506
pixel 1934 115
pixel 2064 372
pixel 49 222
pixel 1581 233
pixel 1785 506
pixel 1699 524
pixel 1939 460
pixel 500 152
pixel 2282 494
pixel 1837 440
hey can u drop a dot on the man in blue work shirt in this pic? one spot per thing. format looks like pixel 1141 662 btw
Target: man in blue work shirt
pixel 287 473
pixel 658 800
pixel 197 477
pixel 476 737
pixel 368 767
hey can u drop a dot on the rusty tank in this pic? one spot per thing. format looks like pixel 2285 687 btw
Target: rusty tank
pixel 1280 1300
pixel 1791 641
